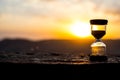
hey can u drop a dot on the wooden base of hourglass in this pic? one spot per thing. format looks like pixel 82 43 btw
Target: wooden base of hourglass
pixel 98 58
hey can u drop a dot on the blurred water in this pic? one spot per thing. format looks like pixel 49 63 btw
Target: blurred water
pixel 52 58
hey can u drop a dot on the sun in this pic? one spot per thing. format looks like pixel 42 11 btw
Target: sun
pixel 80 29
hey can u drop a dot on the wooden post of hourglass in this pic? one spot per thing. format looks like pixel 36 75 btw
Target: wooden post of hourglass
pixel 98 48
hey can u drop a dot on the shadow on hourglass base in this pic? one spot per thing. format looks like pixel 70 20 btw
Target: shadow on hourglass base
pixel 98 58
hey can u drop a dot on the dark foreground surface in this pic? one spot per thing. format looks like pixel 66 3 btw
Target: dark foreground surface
pixel 61 71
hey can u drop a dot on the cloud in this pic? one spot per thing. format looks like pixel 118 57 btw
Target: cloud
pixel 58 10
pixel 37 6
pixel 39 14
pixel 52 10
pixel 110 8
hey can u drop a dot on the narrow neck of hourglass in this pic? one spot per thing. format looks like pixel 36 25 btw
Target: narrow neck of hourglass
pixel 98 40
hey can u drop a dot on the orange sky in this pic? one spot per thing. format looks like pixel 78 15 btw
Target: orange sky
pixel 51 19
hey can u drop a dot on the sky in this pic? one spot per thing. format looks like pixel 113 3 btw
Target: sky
pixel 51 19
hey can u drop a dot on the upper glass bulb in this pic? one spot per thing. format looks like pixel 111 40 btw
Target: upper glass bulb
pixel 98 27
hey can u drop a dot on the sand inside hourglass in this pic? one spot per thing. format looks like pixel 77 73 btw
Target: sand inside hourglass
pixel 98 33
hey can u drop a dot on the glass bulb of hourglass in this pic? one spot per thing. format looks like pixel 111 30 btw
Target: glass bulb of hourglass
pixel 98 31
pixel 98 48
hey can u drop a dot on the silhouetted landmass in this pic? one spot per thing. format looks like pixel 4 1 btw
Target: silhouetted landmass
pixel 56 58
pixel 53 51
pixel 56 46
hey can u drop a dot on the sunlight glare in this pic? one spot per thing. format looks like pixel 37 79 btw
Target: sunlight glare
pixel 80 29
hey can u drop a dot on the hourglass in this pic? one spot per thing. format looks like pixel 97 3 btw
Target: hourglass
pixel 98 48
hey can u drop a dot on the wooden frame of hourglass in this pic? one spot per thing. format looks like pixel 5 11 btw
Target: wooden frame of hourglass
pixel 98 48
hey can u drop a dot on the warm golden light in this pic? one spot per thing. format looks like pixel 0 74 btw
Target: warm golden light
pixel 80 29
pixel 98 27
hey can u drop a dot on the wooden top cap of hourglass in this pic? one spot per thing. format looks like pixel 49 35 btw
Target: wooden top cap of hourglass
pixel 99 21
